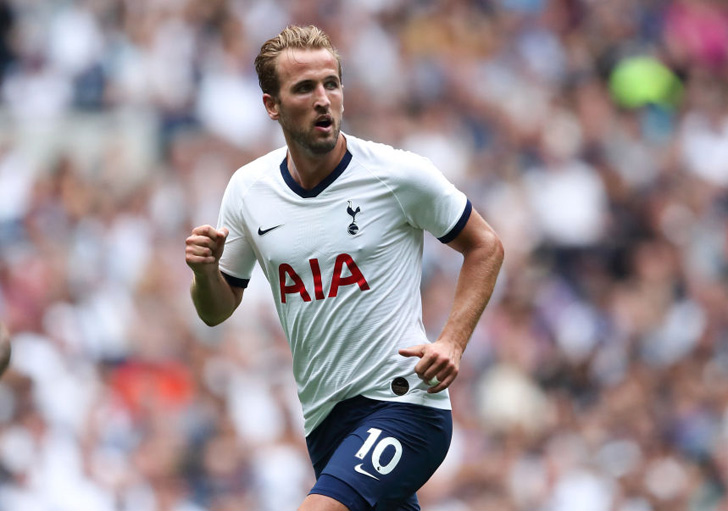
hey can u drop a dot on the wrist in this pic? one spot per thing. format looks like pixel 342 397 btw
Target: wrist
pixel 207 273
pixel 455 342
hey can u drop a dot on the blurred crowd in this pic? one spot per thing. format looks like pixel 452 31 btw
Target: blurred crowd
pixel 593 136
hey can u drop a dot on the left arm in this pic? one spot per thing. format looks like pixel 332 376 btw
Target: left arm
pixel 482 253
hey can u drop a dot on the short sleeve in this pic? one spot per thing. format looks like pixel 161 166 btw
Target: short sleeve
pixel 238 258
pixel 429 200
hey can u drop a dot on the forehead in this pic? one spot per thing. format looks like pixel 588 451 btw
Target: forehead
pixel 297 64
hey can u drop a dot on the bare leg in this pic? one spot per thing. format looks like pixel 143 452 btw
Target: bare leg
pixel 316 502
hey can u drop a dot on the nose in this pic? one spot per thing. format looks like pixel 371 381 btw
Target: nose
pixel 321 98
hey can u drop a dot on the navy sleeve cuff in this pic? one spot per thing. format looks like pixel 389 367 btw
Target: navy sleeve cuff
pixel 234 281
pixel 458 226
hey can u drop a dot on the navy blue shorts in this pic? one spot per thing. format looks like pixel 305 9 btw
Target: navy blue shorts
pixel 374 455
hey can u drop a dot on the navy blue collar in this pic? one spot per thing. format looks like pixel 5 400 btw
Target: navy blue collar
pixel 313 192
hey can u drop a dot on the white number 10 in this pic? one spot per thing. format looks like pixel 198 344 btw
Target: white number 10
pixel 385 442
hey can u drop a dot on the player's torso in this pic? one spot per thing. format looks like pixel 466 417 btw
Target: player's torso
pixel 338 242
pixel 344 266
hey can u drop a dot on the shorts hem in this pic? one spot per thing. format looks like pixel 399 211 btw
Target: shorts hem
pixel 340 491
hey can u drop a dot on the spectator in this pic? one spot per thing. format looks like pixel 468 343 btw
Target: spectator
pixel 612 331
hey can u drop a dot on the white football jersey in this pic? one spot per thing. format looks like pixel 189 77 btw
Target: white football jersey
pixel 344 262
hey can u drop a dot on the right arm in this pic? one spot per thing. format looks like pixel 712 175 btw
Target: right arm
pixel 214 299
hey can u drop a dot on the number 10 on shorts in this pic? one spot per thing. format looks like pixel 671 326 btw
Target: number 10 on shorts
pixel 379 447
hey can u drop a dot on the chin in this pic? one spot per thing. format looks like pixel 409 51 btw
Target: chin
pixel 313 143
pixel 324 146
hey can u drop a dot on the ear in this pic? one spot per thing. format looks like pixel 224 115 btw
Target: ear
pixel 271 106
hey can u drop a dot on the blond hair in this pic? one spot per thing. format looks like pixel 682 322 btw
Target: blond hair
pixel 293 36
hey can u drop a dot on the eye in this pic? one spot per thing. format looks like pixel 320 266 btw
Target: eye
pixel 332 84
pixel 304 87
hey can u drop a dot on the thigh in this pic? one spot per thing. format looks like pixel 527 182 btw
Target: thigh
pixel 387 457
pixel 314 502
pixel 321 503
pixel 410 504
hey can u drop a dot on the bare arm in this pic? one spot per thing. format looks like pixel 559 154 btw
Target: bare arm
pixel 214 299
pixel 482 253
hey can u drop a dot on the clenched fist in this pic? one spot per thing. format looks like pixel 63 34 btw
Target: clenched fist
pixel 204 248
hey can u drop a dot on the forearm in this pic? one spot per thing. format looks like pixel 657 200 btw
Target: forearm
pixel 213 297
pixel 482 258
pixel 476 281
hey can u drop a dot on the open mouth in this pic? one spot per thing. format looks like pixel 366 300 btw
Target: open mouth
pixel 324 122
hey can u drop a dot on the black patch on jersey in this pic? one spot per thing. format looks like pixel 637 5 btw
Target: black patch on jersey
pixel 400 386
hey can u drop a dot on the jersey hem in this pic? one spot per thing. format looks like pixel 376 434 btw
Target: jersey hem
pixel 413 398
pixel 440 404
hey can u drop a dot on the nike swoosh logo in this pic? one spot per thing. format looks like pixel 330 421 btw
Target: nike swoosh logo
pixel 362 471
pixel 261 232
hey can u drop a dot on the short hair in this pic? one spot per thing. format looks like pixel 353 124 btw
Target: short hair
pixel 292 37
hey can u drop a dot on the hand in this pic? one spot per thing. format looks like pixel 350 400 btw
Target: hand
pixel 440 359
pixel 203 248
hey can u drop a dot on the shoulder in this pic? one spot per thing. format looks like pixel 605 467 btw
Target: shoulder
pixel 389 163
pixel 260 169
pixel 395 167
pixel 367 151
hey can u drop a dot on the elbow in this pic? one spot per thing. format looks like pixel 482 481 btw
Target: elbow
pixel 489 246
pixel 488 250
pixel 211 321
pixel 207 316
pixel 497 251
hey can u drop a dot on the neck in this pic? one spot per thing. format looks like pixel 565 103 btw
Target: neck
pixel 308 170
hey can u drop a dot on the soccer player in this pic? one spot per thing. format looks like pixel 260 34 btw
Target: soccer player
pixel 337 225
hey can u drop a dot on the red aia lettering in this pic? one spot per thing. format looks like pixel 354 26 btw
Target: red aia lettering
pixel 286 272
pixel 318 287
pixel 356 276
pixel 297 286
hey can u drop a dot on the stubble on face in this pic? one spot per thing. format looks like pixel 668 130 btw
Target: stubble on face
pixel 294 118
pixel 306 138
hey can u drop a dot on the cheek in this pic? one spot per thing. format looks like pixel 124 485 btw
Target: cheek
pixel 340 101
pixel 294 111
pixel 337 104
pixel 288 114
